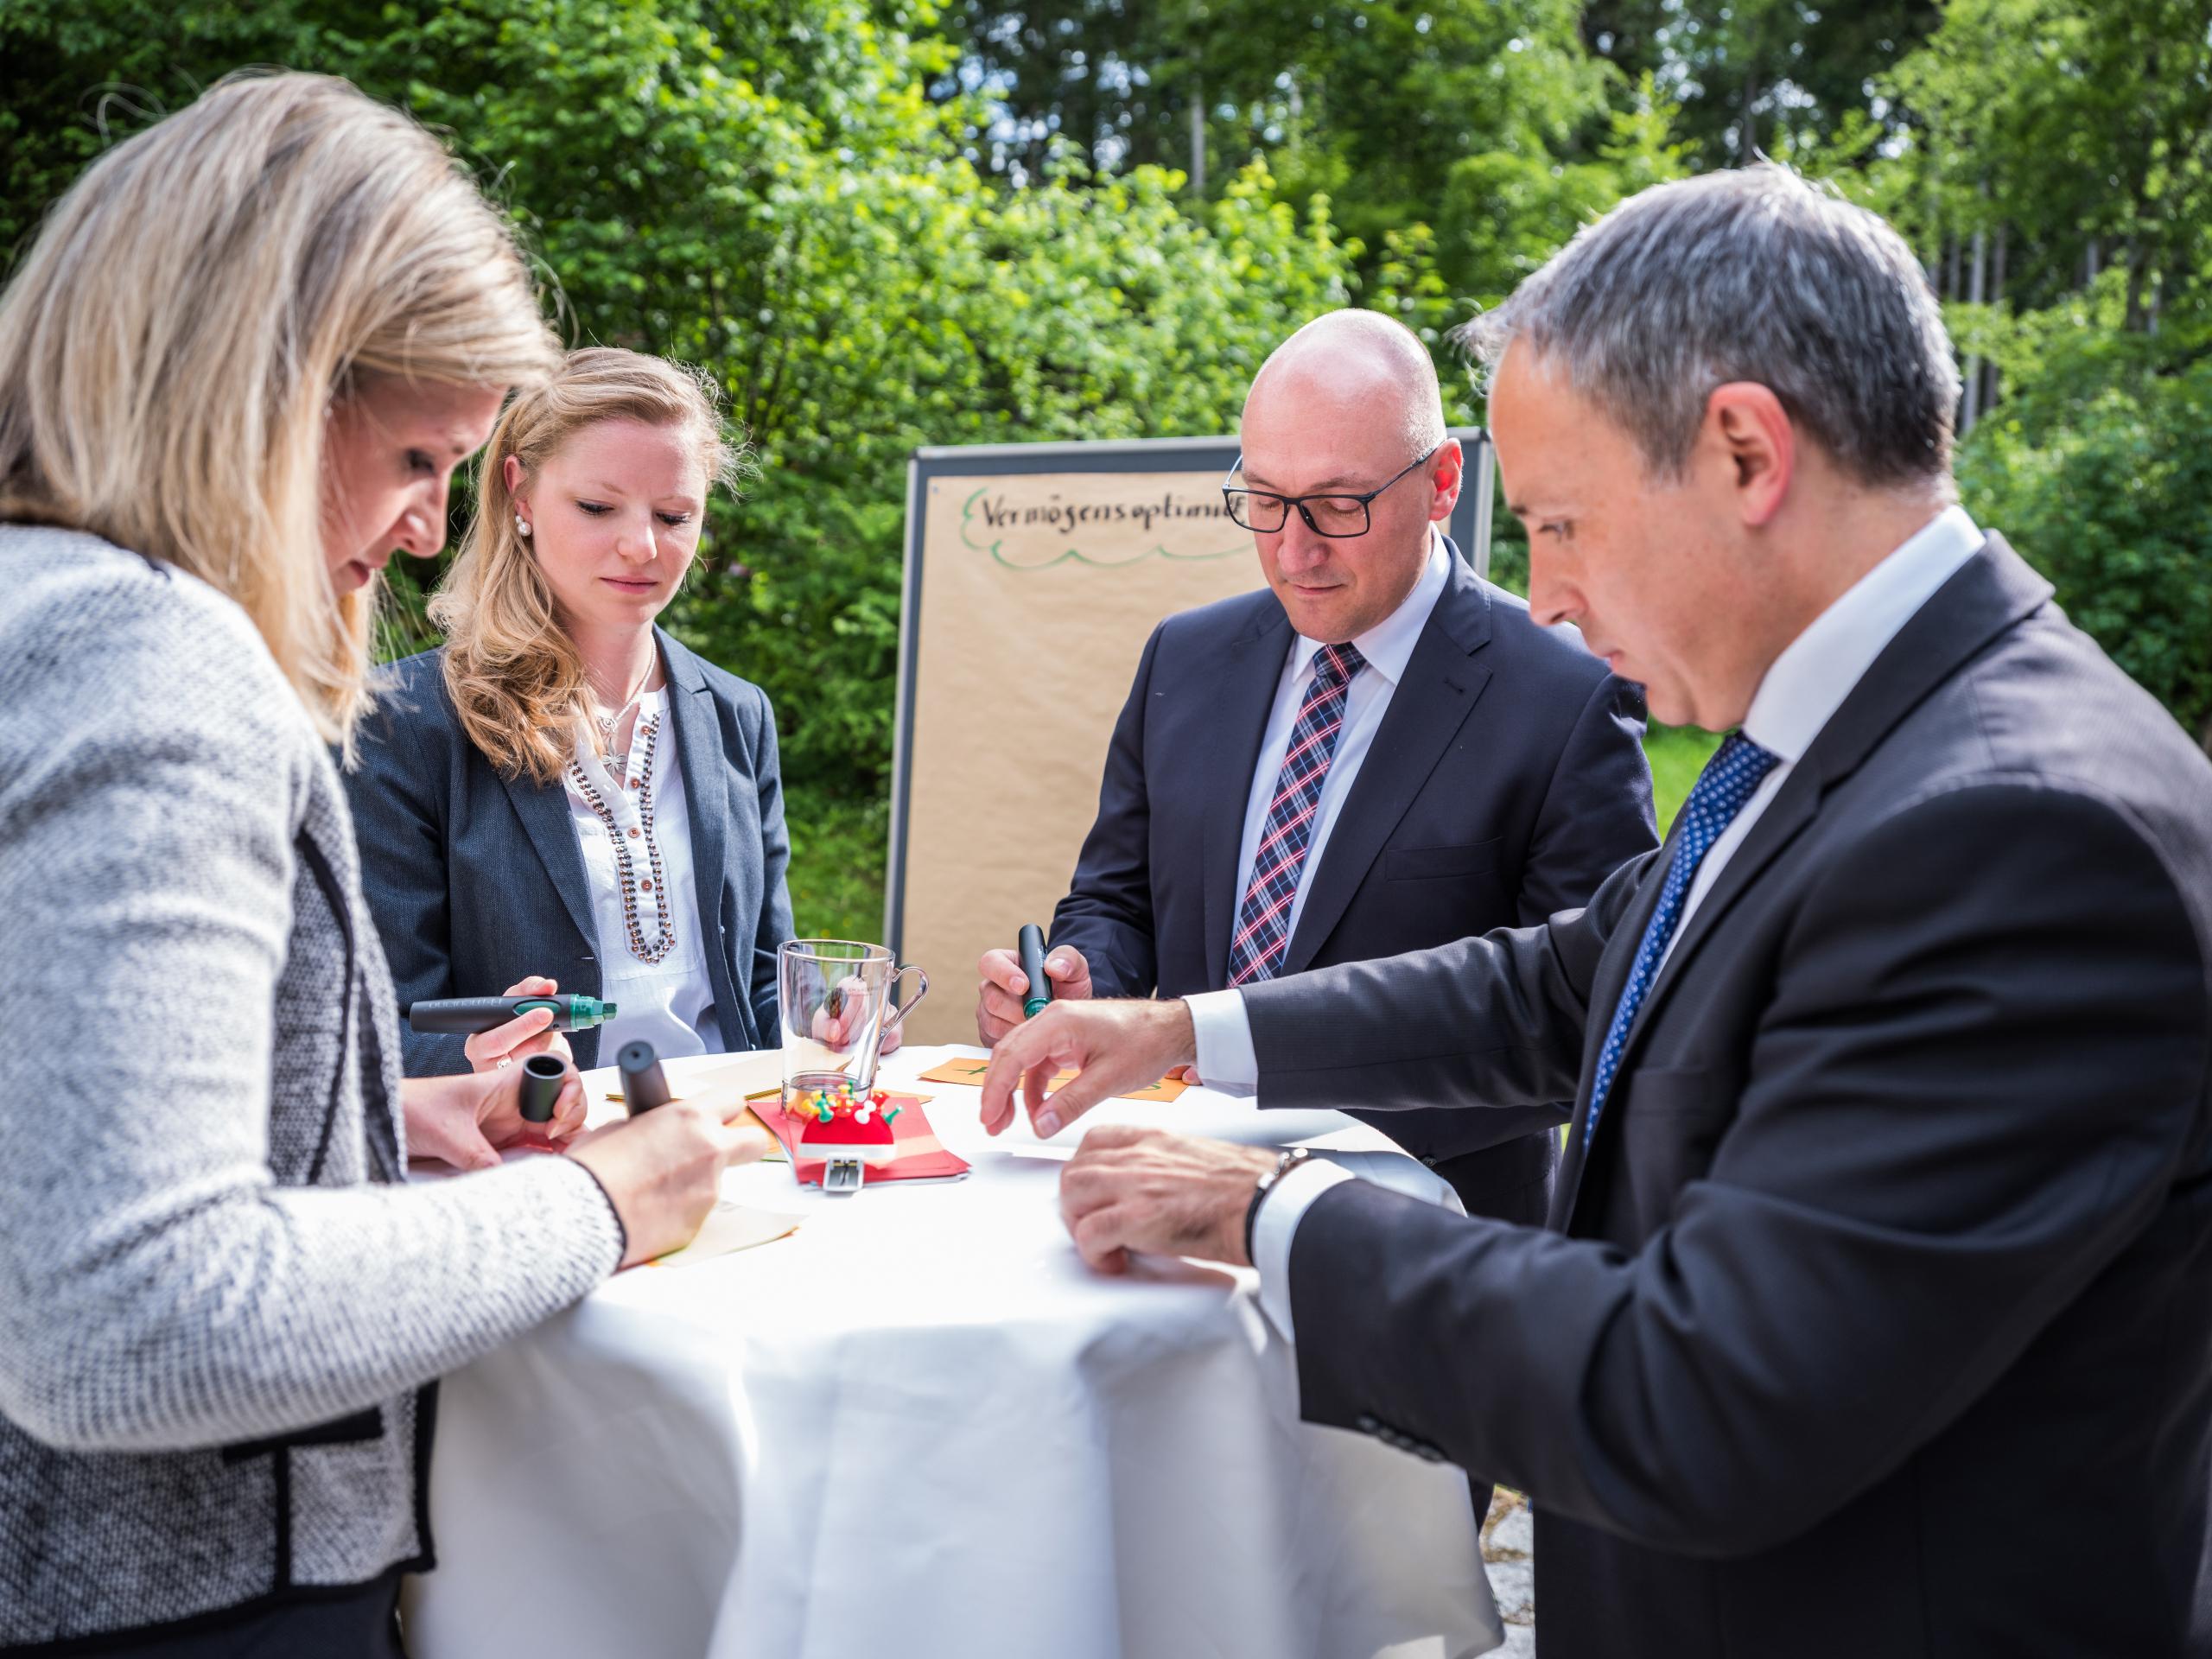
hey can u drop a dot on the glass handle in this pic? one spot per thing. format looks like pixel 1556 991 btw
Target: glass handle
pixel 898 1010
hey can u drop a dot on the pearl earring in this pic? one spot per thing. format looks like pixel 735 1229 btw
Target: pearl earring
pixel 522 526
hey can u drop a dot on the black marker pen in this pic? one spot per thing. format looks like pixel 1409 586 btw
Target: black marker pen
pixel 455 1014
pixel 1029 945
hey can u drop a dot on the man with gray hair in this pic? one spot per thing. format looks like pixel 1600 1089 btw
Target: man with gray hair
pixel 1377 751
pixel 1876 1313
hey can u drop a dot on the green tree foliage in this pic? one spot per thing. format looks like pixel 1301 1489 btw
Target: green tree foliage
pixel 1370 106
pixel 2099 470
pixel 770 193
pixel 1760 76
pixel 880 231
pixel 2072 141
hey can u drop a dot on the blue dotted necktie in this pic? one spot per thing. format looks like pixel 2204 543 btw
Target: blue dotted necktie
pixel 1263 919
pixel 1726 783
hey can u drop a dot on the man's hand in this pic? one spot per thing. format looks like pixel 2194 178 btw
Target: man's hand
pixel 1128 1189
pixel 1000 985
pixel 501 1046
pixel 466 1119
pixel 1114 1045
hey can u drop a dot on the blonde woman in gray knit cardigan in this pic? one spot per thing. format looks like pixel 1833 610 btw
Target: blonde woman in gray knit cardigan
pixel 236 372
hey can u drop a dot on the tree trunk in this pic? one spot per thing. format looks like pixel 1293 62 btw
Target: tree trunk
pixel 1198 139
pixel 2138 270
pixel 1996 298
pixel 1977 268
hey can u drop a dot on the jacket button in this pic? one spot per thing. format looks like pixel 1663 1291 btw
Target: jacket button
pixel 1366 1424
pixel 1431 1162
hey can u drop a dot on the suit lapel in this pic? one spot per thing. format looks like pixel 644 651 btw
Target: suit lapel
pixel 1243 693
pixel 543 811
pixel 706 801
pixel 1606 988
pixel 1989 594
pixel 1438 691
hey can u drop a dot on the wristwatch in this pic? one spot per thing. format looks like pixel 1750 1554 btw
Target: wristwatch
pixel 1290 1160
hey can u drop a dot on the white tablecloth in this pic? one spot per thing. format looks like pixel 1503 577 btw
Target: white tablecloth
pixel 920 1427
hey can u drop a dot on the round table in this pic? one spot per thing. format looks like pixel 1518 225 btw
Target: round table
pixel 920 1425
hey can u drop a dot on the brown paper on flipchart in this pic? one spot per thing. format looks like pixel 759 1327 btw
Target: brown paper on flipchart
pixel 970 1072
pixel 1027 643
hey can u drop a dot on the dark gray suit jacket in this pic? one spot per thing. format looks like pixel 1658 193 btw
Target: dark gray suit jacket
pixel 1878 1314
pixel 476 879
pixel 1506 781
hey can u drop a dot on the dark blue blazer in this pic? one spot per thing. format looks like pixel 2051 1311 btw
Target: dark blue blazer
pixel 1889 1259
pixel 476 879
pixel 1506 781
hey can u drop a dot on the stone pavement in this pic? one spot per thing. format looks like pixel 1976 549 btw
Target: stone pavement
pixel 1509 1554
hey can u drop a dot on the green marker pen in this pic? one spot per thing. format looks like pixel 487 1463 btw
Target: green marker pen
pixel 1029 945
pixel 455 1014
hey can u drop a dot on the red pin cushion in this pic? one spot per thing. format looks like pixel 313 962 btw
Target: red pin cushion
pixel 845 1135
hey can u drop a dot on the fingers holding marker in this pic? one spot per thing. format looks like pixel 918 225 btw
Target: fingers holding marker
pixel 486 1049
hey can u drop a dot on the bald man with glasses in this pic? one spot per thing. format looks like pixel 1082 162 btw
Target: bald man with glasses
pixel 1377 753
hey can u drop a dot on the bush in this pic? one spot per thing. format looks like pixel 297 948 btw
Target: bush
pixel 2100 479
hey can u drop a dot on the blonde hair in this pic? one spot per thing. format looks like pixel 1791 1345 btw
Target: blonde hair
pixel 514 675
pixel 195 304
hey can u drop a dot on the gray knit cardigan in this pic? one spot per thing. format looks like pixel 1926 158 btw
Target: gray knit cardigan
pixel 220 1305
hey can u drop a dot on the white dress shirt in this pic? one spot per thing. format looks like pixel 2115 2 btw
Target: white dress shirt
pixel 1802 689
pixel 670 1003
pixel 1388 646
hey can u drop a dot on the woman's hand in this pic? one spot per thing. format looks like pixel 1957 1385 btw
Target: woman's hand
pixel 465 1121
pixel 502 1045
pixel 662 1171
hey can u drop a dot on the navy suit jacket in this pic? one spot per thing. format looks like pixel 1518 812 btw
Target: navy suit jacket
pixel 1506 781
pixel 476 879
pixel 1882 1322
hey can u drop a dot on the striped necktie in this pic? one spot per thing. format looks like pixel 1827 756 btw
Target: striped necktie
pixel 1263 920
pixel 1728 780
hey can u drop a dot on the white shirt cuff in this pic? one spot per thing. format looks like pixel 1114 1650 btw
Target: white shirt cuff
pixel 1226 1061
pixel 1281 1212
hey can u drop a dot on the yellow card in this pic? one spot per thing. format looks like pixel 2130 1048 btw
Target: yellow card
pixel 730 1228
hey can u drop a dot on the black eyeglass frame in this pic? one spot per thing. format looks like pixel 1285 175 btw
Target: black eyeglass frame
pixel 1366 502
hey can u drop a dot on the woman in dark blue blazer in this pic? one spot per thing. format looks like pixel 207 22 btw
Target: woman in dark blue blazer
pixel 562 793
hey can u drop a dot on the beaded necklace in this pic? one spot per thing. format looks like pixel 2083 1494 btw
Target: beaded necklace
pixel 643 741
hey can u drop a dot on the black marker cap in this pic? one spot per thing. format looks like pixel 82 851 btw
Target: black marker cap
pixel 542 1076
pixel 644 1087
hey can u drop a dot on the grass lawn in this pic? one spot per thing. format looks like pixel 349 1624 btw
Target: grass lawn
pixel 837 847
pixel 1677 754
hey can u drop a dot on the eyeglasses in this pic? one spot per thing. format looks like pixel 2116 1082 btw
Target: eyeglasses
pixel 1335 515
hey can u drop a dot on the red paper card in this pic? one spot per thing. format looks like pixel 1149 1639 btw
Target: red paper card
pixel 920 1156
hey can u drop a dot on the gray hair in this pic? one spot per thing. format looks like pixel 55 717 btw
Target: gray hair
pixel 1752 275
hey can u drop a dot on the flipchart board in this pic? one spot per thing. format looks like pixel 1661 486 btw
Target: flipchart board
pixel 1034 573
